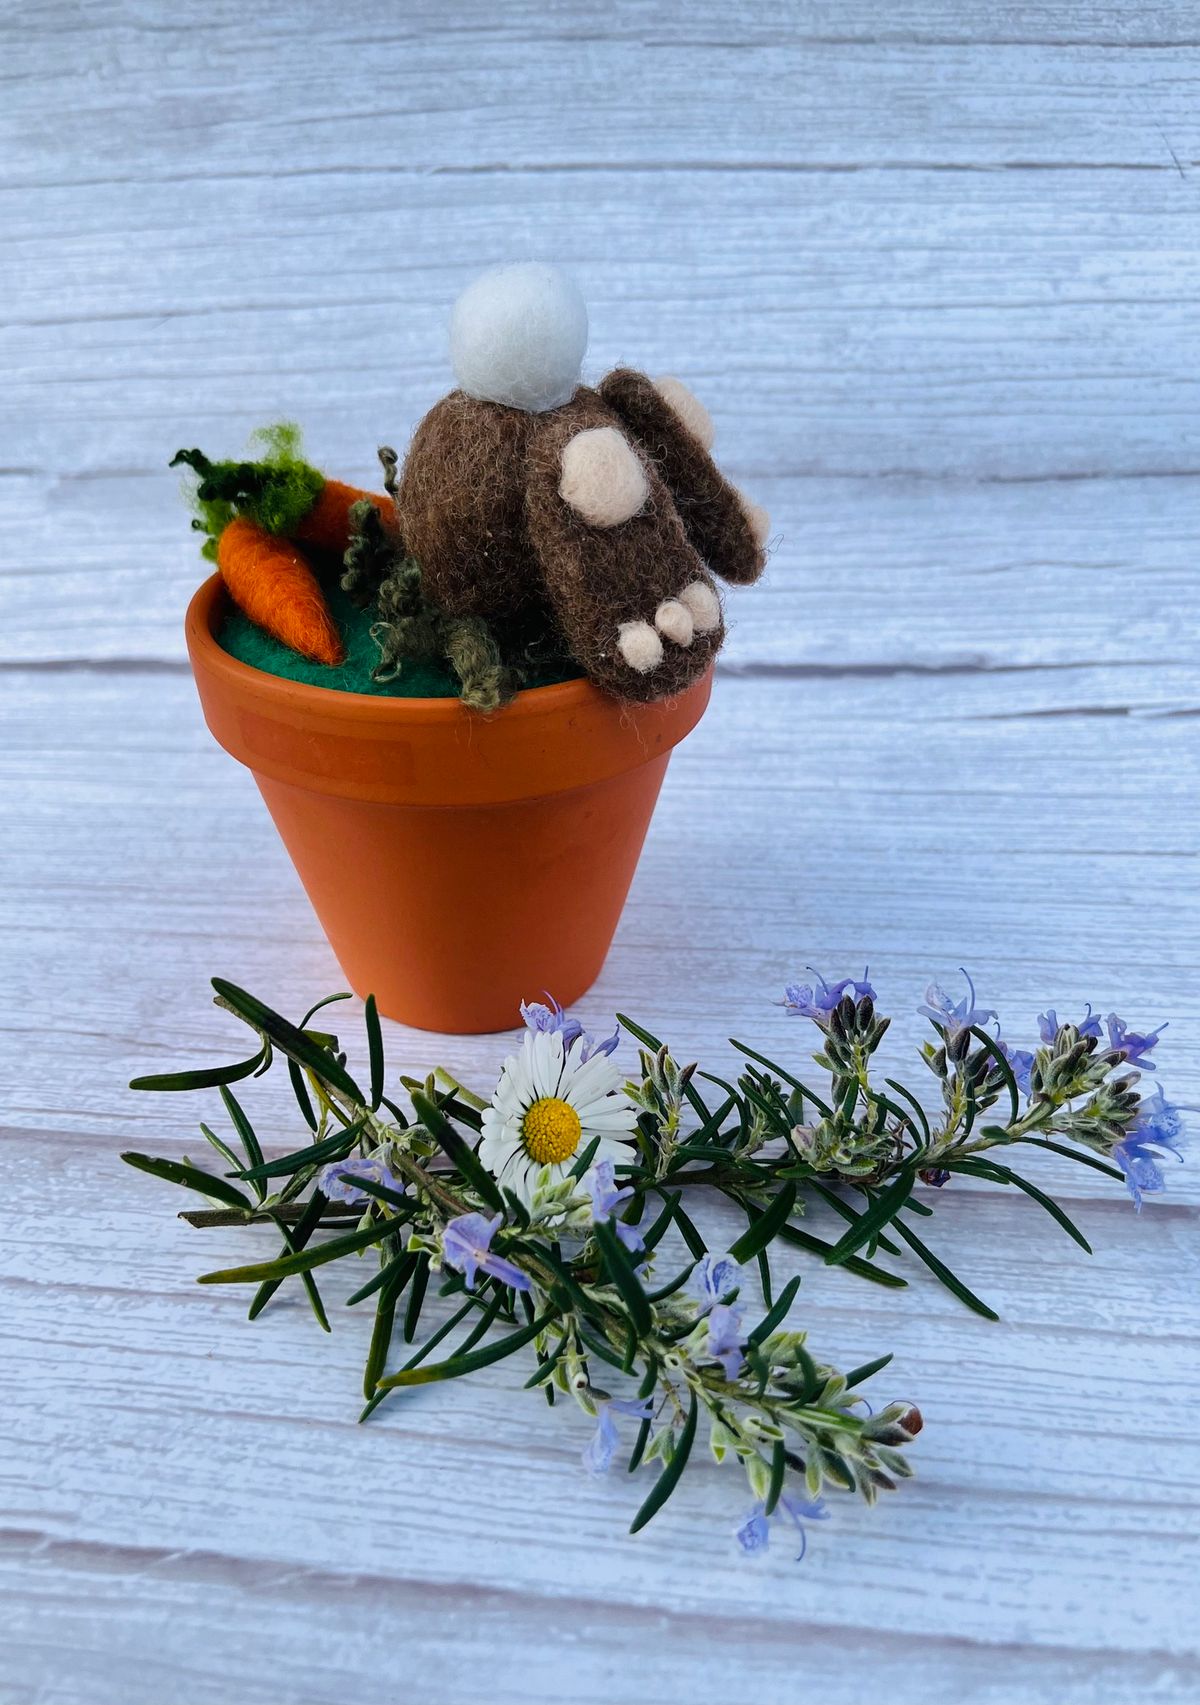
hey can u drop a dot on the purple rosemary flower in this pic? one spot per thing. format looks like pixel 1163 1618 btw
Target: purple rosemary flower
pixel 726 1340
pixel 589 1046
pixel 332 1179
pixel 1159 1127
pixel 817 1000
pixel 553 1018
pixel 601 1448
pixel 954 1016
pixel 1020 1064
pixel 712 1278
pixel 466 1244
pixel 755 1531
pixel 607 1200
pixel 1049 1026
pixel 1135 1047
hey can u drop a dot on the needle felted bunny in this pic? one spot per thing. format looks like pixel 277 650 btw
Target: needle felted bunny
pixel 527 497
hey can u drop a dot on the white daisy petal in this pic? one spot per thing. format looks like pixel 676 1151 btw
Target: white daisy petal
pixel 600 1104
pixel 522 1176
pixel 596 1077
pixel 514 1164
pixel 543 1063
pixel 544 1070
pixel 496 1147
pixel 613 1126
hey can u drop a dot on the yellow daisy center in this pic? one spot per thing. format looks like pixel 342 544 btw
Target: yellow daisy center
pixel 550 1131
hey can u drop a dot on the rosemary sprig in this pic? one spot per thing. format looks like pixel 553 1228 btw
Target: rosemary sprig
pixel 573 1273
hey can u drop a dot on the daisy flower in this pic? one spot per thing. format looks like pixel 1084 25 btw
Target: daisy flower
pixel 548 1107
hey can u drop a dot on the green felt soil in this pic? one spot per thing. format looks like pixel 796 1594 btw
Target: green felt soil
pixel 420 678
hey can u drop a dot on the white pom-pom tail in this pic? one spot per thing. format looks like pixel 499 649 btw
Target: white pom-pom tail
pixel 518 335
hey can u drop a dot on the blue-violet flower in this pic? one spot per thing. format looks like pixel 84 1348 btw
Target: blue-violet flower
pixel 600 1449
pixel 726 1340
pixel 540 1017
pixel 954 1016
pixel 755 1531
pixel 1049 1026
pixel 817 1000
pixel 607 1200
pixel 332 1180
pixel 1159 1126
pixel 1020 1064
pixel 1135 1047
pixel 712 1278
pixel 466 1244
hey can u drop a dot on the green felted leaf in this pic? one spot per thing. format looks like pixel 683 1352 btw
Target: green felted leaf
pixel 276 490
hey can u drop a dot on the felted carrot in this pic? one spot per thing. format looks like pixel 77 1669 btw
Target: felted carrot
pixel 271 582
pixel 250 509
pixel 327 523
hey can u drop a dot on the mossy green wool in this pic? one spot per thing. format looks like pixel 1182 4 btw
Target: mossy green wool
pixel 416 678
pixel 277 491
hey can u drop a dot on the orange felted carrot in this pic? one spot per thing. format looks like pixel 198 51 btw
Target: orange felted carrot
pixel 327 523
pixel 270 581
pixel 252 511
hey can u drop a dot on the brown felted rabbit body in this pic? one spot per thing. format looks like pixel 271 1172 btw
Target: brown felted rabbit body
pixel 604 515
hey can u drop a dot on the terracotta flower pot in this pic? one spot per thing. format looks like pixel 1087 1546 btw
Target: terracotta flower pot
pixel 458 864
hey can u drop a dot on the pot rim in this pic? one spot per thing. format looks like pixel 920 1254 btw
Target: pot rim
pixel 427 752
pixel 208 604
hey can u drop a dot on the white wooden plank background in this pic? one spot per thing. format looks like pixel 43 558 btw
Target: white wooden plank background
pixel 934 266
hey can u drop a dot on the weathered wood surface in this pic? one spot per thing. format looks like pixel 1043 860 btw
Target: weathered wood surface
pixel 935 269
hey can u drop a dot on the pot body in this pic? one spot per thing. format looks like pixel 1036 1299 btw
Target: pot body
pixel 457 863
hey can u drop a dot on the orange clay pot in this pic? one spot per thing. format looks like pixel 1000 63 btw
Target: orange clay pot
pixel 458 863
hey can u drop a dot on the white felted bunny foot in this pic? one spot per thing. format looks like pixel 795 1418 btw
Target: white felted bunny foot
pixel 703 605
pixel 640 646
pixel 674 621
pixel 603 479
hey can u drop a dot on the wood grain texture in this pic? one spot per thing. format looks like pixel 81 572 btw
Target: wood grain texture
pixel 934 269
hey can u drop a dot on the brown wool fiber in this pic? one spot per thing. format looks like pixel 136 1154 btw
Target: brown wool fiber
pixel 710 508
pixel 506 529
pixel 600 578
pixel 269 580
pixel 461 507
